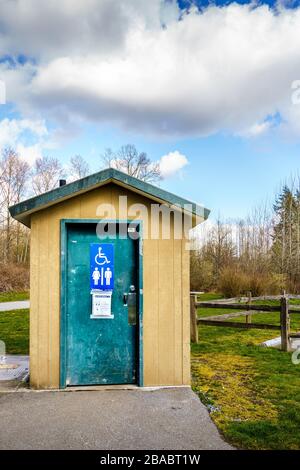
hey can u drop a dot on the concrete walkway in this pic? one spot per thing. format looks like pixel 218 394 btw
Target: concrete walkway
pixel 172 418
pixel 7 306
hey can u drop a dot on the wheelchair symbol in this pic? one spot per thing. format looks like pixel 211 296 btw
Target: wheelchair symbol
pixel 101 258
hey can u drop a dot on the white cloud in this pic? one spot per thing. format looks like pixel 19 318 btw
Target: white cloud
pixel 224 69
pixel 12 129
pixel 257 129
pixel 30 152
pixel 46 29
pixel 172 163
pixel 9 130
pixel 2 92
pixel 28 137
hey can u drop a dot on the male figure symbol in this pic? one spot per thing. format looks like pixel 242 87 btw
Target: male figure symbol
pixel 108 276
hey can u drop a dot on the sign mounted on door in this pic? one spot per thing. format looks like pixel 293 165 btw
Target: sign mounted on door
pixel 101 305
pixel 102 266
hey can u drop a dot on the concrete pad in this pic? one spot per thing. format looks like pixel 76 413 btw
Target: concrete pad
pixel 164 419
pixel 14 371
pixel 13 367
pixel 276 343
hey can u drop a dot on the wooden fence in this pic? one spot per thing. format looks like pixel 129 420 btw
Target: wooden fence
pixel 246 310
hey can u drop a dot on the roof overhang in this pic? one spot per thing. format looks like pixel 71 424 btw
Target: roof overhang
pixel 23 210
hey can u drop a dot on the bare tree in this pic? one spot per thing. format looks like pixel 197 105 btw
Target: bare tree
pixel 221 248
pixel 47 172
pixel 14 174
pixel 236 256
pixel 79 168
pixel 130 161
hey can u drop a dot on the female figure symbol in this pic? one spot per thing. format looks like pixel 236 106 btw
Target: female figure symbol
pixel 96 276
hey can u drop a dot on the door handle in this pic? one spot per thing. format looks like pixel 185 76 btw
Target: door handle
pixel 132 306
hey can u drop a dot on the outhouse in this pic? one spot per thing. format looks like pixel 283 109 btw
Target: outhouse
pixel 109 283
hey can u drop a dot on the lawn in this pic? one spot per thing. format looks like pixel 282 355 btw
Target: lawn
pixel 13 296
pixel 252 392
pixel 14 331
pixel 276 302
pixel 209 296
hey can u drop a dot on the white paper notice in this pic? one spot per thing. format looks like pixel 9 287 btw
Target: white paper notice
pixel 101 307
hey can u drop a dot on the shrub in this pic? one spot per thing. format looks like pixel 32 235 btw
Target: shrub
pixel 14 278
pixel 258 284
pixel 269 284
pixel 201 274
pixel 232 282
pixel 235 282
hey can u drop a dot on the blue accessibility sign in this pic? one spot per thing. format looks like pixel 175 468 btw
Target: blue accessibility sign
pixel 102 266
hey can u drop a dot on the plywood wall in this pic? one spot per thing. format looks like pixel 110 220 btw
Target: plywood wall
pixel 166 347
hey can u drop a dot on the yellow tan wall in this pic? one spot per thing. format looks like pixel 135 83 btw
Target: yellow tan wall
pixel 166 347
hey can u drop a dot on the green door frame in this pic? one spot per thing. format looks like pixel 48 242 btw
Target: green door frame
pixel 63 294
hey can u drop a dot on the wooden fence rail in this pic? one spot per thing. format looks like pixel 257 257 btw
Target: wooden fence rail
pixel 247 310
pixel 255 308
pixel 264 308
pixel 235 324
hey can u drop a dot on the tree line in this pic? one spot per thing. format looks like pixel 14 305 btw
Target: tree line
pixel 260 253
pixel 19 180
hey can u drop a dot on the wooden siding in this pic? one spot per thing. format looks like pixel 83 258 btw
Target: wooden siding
pixel 166 347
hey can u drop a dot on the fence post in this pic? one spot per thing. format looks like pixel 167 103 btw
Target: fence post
pixel 193 315
pixel 249 317
pixel 285 323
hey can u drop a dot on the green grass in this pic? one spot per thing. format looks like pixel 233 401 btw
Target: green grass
pixel 13 296
pixel 14 331
pixel 273 302
pixel 210 296
pixel 252 392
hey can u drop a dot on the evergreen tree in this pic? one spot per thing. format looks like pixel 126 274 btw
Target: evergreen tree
pixel 286 248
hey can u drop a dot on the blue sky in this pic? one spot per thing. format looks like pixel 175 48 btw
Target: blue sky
pixel 183 89
pixel 228 175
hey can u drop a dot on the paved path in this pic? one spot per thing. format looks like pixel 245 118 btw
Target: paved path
pixel 6 306
pixel 172 418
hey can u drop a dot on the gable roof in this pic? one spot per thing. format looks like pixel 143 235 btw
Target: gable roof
pixel 23 210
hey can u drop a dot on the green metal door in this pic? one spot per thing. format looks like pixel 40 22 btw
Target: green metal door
pixel 99 350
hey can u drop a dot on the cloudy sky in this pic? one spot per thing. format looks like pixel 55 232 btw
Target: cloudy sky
pixel 208 89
